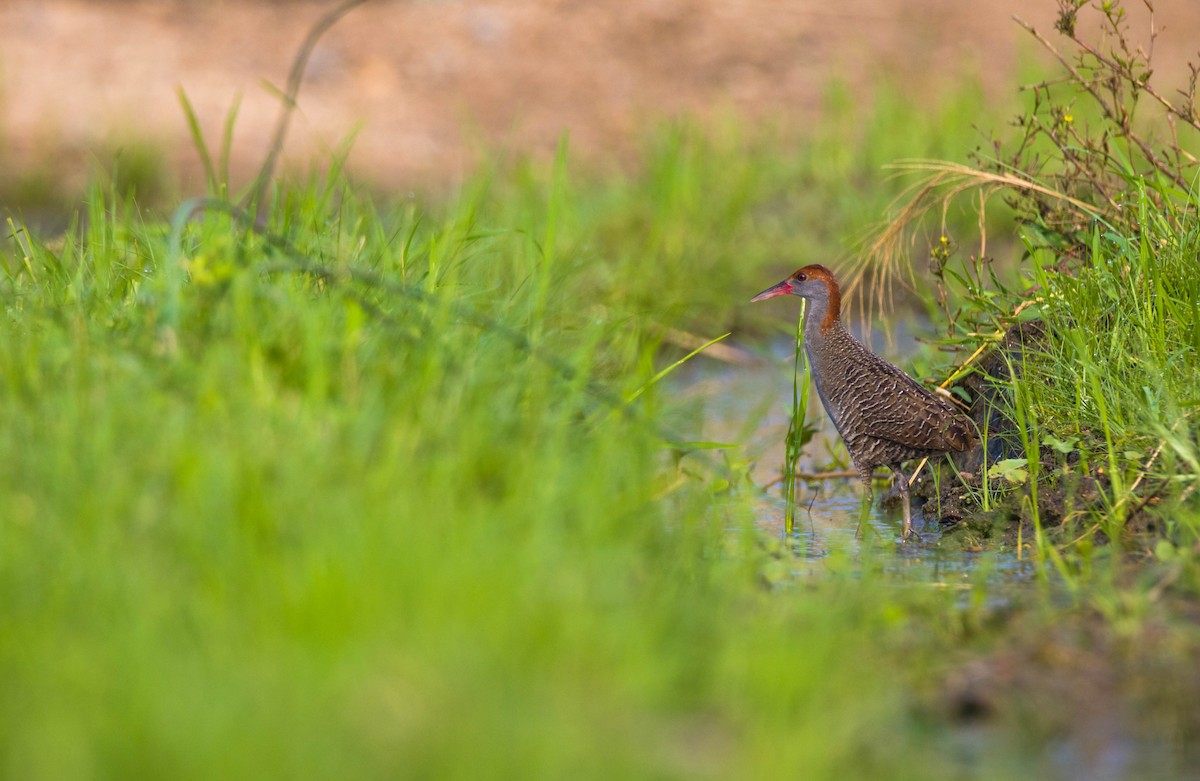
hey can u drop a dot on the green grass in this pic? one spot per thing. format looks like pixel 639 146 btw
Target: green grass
pixel 374 505
pixel 1126 358
pixel 307 527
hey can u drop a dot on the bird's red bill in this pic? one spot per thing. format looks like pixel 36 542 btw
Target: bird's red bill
pixel 782 289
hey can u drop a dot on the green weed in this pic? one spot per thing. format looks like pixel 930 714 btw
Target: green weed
pixel 1107 213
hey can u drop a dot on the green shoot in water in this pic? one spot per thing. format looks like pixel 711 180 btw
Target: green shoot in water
pixel 799 433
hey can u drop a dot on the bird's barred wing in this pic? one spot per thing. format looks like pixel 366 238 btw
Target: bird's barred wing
pixel 905 412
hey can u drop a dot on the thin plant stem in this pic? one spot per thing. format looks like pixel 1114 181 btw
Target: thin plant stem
pixel 796 427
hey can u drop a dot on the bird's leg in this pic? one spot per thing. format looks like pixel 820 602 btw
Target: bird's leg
pixel 902 480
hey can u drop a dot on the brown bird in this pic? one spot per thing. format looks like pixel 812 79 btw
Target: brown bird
pixel 884 416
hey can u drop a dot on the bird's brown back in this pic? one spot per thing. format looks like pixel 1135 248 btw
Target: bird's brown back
pixel 883 415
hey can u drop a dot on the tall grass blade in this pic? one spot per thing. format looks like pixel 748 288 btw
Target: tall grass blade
pixel 799 434
pixel 657 377
pixel 227 144
pixel 193 123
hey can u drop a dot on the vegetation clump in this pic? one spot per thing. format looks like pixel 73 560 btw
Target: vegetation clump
pixel 1104 408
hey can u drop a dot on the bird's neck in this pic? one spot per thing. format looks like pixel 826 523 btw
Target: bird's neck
pixel 826 340
pixel 823 316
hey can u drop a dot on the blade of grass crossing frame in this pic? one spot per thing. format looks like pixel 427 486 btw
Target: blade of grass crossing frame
pixel 193 122
pixel 795 436
pixel 674 366
pixel 227 146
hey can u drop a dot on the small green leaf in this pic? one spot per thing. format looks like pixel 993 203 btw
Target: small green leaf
pixel 1063 446
pixel 1014 470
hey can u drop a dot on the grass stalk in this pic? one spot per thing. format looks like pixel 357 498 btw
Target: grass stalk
pixel 799 433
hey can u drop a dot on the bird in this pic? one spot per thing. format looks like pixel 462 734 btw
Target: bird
pixel 884 416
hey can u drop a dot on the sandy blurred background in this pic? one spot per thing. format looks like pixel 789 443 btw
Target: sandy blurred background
pixel 428 84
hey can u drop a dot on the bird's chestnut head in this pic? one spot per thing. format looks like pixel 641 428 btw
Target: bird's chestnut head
pixel 811 282
pixel 814 284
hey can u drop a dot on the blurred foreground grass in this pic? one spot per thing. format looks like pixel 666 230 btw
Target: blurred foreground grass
pixel 374 506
